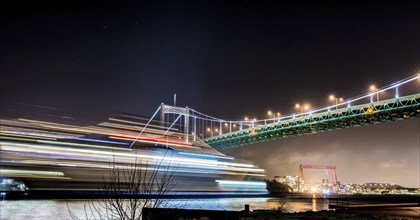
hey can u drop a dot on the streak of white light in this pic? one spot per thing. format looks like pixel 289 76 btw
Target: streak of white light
pixel 203 162
pixel 232 182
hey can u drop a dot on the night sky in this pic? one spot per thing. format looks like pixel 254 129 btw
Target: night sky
pixel 229 60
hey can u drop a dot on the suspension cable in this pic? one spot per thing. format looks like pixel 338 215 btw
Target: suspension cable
pixel 150 120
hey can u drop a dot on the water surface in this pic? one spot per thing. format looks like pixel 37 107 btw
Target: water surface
pixel 58 209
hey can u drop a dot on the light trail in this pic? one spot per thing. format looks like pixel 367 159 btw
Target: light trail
pixel 196 163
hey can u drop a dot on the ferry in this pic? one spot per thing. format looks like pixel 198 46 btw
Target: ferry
pixel 46 156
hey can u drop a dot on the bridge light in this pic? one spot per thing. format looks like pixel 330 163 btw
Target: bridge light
pixel 374 89
pixel 253 132
pixel 302 107
pixel 246 118
pixel 337 100
pixel 278 116
pixel 208 129
pixel 370 110
pixel 226 124
pixel 234 125
pixel 216 130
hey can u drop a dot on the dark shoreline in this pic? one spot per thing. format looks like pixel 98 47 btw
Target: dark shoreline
pixel 367 207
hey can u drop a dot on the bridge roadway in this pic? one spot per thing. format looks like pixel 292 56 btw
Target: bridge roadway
pixel 372 113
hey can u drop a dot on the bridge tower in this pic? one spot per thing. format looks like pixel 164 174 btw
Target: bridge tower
pixel 185 112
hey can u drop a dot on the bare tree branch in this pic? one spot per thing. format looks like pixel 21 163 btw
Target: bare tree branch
pixel 129 187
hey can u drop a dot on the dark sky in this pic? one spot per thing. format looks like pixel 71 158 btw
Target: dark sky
pixel 229 60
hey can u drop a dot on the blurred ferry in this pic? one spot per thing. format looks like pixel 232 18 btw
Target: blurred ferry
pixel 53 156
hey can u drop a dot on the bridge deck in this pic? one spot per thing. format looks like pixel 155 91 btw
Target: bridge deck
pixel 377 112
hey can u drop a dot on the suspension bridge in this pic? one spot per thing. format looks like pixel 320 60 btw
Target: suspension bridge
pixel 49 154
pixel 362 110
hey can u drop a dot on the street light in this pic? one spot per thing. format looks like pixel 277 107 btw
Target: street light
pixel 302 107
pixel 333 98
pixel 270 115
pixel 253 122
pixel 247 119
pixel 278 116
pixel 373 88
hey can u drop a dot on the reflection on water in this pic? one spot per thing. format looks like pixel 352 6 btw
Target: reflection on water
pixel 58 209
pixel 314 202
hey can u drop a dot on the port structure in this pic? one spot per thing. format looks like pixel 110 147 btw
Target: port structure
pixel 319 167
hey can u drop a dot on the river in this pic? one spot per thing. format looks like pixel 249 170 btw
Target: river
pixel 59 209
